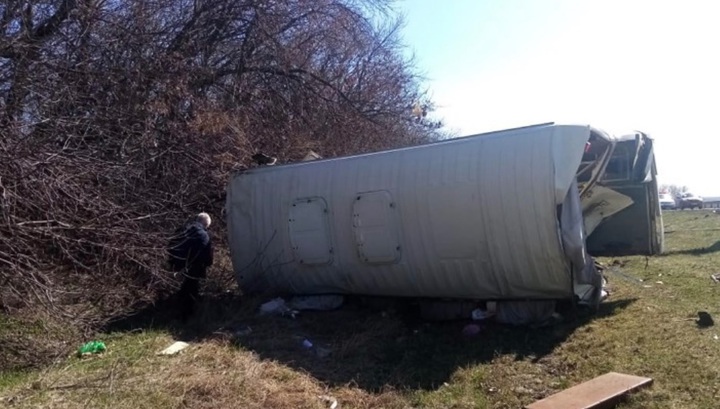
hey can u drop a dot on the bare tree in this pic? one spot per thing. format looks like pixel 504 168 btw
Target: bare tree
pixel 119 118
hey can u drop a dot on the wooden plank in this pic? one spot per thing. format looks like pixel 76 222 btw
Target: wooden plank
pixel 605 391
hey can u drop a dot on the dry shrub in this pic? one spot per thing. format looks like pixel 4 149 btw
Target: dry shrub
pixel 120 119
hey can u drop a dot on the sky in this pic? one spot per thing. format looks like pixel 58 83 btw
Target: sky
pixel 619 66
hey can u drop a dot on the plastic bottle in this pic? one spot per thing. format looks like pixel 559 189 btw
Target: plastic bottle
pixel 92 347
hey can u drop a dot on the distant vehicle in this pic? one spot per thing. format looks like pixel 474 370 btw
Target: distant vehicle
pixel 690 201
pixel 667 202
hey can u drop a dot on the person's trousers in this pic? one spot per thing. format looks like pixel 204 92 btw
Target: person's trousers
pixel 189 293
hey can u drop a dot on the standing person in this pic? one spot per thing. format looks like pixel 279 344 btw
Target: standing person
pixel 191 253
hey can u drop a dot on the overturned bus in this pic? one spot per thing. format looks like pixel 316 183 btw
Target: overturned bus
pixel 498 216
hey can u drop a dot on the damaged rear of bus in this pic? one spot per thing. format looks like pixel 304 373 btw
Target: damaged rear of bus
pixel 622 211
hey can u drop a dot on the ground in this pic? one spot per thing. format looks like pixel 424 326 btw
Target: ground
pixel 387 358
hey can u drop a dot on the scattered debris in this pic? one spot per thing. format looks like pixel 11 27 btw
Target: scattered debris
pixel 521 390
pixel 603 391
pixel 617 272
pixel 174 348
pixel 704 320
pixel 329 399
pixel 242 331
pixel 537 313
pixel 715 337
pixel 715 277
pixel 311 155
pixel 604 294
pixel 479 315
pixel 316 302
pixel 92 347
pixel 233 333
pixel 273 306
pixel 262 159
pixel 277 306
pixel 471 330
pixel 605 290
pixel 320 352
pixel 659 282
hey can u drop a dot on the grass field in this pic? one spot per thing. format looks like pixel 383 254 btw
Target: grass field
pixel 387 358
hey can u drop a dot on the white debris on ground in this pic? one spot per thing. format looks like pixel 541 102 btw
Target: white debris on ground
pixel 174 348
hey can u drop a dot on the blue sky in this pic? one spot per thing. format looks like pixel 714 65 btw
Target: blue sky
pixel 617 65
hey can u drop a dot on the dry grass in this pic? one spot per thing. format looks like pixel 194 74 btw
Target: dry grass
pixel 386 358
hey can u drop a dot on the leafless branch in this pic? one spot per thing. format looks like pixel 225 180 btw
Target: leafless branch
pixel 118 119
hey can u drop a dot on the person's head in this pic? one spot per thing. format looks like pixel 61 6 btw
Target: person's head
pixel 204 219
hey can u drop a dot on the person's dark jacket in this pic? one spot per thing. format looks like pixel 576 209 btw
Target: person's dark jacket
pixel 191 247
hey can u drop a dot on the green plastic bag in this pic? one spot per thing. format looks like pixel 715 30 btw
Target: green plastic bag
pixel 92 347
